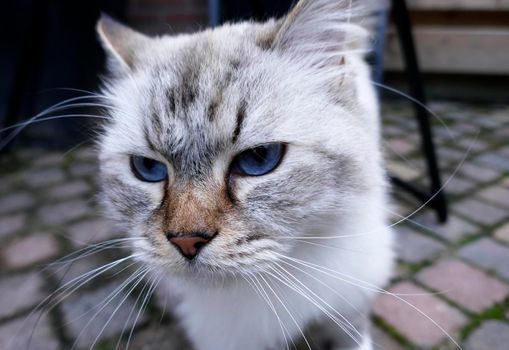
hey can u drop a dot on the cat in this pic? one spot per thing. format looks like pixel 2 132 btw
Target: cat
pixel 245 163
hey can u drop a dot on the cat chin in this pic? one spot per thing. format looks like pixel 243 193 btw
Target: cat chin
pixel 203 278
pixel 203 273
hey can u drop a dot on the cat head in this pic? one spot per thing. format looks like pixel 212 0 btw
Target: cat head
pixel 224 144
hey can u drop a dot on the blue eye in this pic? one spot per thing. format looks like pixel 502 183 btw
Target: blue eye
pixel 259 160
pixel 148 170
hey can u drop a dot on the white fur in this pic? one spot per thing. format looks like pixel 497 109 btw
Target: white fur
pixel 313 55
pixel 234 317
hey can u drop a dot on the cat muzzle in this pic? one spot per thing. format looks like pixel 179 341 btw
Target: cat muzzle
pixel 189 245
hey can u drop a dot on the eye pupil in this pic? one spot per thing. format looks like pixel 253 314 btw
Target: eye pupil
pixel 148 170
pixel 259 160
pixel 148 163
pixel 260 153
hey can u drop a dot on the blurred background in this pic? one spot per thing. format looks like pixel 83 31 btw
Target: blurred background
pixel 441 68
pixel 51 45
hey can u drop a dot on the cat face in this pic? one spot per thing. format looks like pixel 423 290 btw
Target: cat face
pixel 222 145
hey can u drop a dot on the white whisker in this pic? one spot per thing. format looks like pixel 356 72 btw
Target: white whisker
pixel 373 288
pixel 266 297
pixel 419 103
pixel 311 299
pixel 421 207
pixel 135 276
pixel 323 284
pixel 144 305
pixel 67 289
pixel 287 310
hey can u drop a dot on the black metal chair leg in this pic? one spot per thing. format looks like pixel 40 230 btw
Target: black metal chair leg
pixel 437 198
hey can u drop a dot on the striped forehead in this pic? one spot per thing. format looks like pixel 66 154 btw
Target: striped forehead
pixel 192 114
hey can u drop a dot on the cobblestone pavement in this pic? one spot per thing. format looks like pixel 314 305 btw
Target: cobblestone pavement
pixel 457 274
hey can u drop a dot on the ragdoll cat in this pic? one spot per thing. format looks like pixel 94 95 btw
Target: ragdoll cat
pixel 246 160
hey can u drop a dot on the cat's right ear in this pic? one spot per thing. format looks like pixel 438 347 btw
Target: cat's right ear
pixel 320 32
pixel 120 42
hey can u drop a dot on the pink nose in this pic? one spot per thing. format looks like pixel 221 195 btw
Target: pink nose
pixel 189 246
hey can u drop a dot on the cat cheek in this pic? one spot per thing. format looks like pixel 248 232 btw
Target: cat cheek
pixel 128 203
pixel 240 187
pixel 156 194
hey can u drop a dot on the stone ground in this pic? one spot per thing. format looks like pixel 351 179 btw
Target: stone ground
pixel 451 278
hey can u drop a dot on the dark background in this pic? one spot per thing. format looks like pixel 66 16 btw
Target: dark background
pixel 46 47
pixel 49 47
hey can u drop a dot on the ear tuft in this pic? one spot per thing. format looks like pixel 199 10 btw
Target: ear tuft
pixel 321 32
pixel 120 42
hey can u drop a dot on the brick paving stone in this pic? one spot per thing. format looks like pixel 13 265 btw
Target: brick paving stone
pixel 467 128
pixel 159 337
pixel 453 230
pixel 45 177
pixel 67 272
pixel 504 150
pixel 459 186
pixel 478 173
pixel 85 153
pixel 391 130
pixel 456 115
pixel 400 209
pixel 494 161
pixel 496 195
pixel 464 285
pixel 502 233
pixel 16 201
pixel 501 133
pixel 451 155
pixel 441 107
pixel 401 271
pixel 480 212
pixel 27 153
pixel 20 292
pixel 441 142
pixel 399 146
pixel 11 223
pixel 15 335
pixel 501 115
pixel 30 250
pixel 84 169
pixel 381 341
pixel 410 323
pixel 78 314
pixel 92 231
pixel 63 212
pixel 447 134
pixel 488 254
pixel 49 159
pixel 4 184
pixel 487 123
pixel 492 335
pixel 67 190
pixel 403 171
pixel 414 247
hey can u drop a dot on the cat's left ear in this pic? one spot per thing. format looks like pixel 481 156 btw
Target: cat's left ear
pixel 320 32
pixel 120 42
